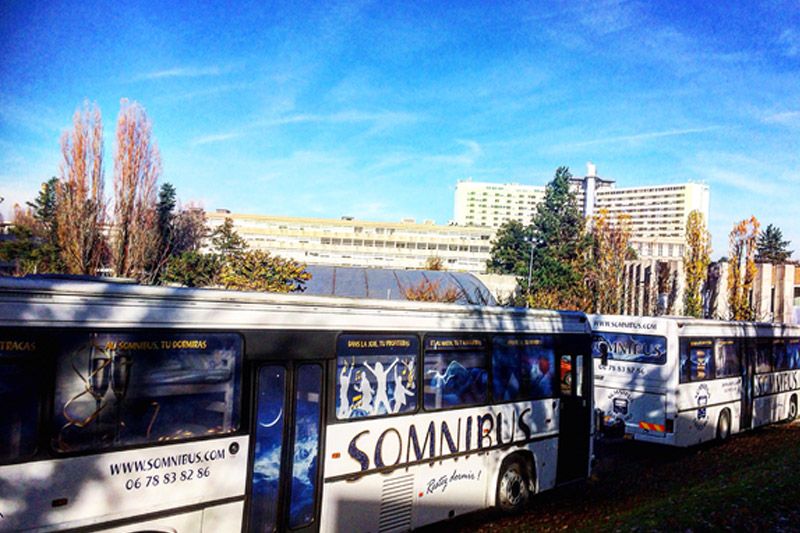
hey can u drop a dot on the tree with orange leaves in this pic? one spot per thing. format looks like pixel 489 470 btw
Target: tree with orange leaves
pixel 742 268
pixel 611 236
pixel 137 167
pixel 80 205
pixel 696 260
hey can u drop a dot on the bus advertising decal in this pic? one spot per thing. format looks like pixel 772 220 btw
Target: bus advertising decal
pixel 632 348
pixel 776 383
pixel 170 470
pixel 441 483
pixel 393 448
pixel 702 399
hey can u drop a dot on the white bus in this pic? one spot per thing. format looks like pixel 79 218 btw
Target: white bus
pixel 132 409
pixel 682 381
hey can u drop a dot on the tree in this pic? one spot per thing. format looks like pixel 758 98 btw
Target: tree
pixel 434 262
pixel 225 239
pixel 511 249
pixel 560 249
pixel 80 208
pixel 137 167
pixel 44 211
pixel 427 291
pixel 611 236
pixel 742 269
pixel 257 270
pixel 27 248
pixel 696 259
pixel 771 248
pixel 190 230
pixel 193 269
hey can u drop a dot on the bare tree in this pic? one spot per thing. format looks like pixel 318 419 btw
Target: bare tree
pixel 80 205
pixel 137 167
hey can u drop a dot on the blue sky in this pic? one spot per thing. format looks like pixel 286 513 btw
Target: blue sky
pixel 376 109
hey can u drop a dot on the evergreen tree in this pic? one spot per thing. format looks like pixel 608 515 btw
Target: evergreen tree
pixel 771 248
pixel 560 249
pixel 225 239
pixel 510 253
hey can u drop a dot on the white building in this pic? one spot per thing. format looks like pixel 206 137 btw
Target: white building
pixel 658 213
pixel 349 242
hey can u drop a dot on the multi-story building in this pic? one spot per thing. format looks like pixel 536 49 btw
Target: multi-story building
pixel 349 242
pixel 658 213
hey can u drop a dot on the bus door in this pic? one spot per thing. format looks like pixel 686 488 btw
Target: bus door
pixel 285 489
pixel 575 416
pixel 748 353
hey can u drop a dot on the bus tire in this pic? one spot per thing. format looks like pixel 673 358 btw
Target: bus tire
pixel 513 485
pixel 792 408
pixel 724 426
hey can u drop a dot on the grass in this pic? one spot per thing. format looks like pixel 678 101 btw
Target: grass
pixel 751 483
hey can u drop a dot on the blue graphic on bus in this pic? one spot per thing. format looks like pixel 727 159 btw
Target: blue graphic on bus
pixel 306 444
pixel 268 447
pixel 376 375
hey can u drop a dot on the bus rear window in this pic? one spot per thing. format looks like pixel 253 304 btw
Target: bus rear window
pixel 123 389
pixel 697 360
pixel 650 349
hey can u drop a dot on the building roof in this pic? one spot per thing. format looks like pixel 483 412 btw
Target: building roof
pixel 388 284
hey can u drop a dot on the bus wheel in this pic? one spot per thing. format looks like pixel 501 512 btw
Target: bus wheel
pixel 513 489
pixel 724 426
pixel 793 408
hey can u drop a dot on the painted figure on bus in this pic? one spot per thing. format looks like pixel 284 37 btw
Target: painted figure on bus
pixel 363 386
pixel 401 393
pixel 344 389
pixel 381 393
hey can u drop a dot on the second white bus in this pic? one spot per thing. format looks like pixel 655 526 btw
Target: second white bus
pixel 681 381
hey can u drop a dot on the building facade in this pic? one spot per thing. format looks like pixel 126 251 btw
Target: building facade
pixel 658 213
pixel 356 243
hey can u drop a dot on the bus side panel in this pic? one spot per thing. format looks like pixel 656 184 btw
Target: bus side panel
pixel 82 491
pixel 362 493
pixel 642 414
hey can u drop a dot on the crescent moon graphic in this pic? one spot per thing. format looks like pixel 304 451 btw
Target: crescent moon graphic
pixel 280 414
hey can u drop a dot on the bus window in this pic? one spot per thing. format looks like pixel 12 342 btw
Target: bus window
pixel 780 355
pixel 728 361
pixel 697 361
pixel 523 368
pixel 19 396
pixel 764 361
pixel 455 372
pixel 793 353
pixel 121 389
pixel 375 375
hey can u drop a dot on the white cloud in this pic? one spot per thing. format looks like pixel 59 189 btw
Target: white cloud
pixel 467 158
pixel 642 136
pixel 187 72
pixel 786 118
pixel 220 137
